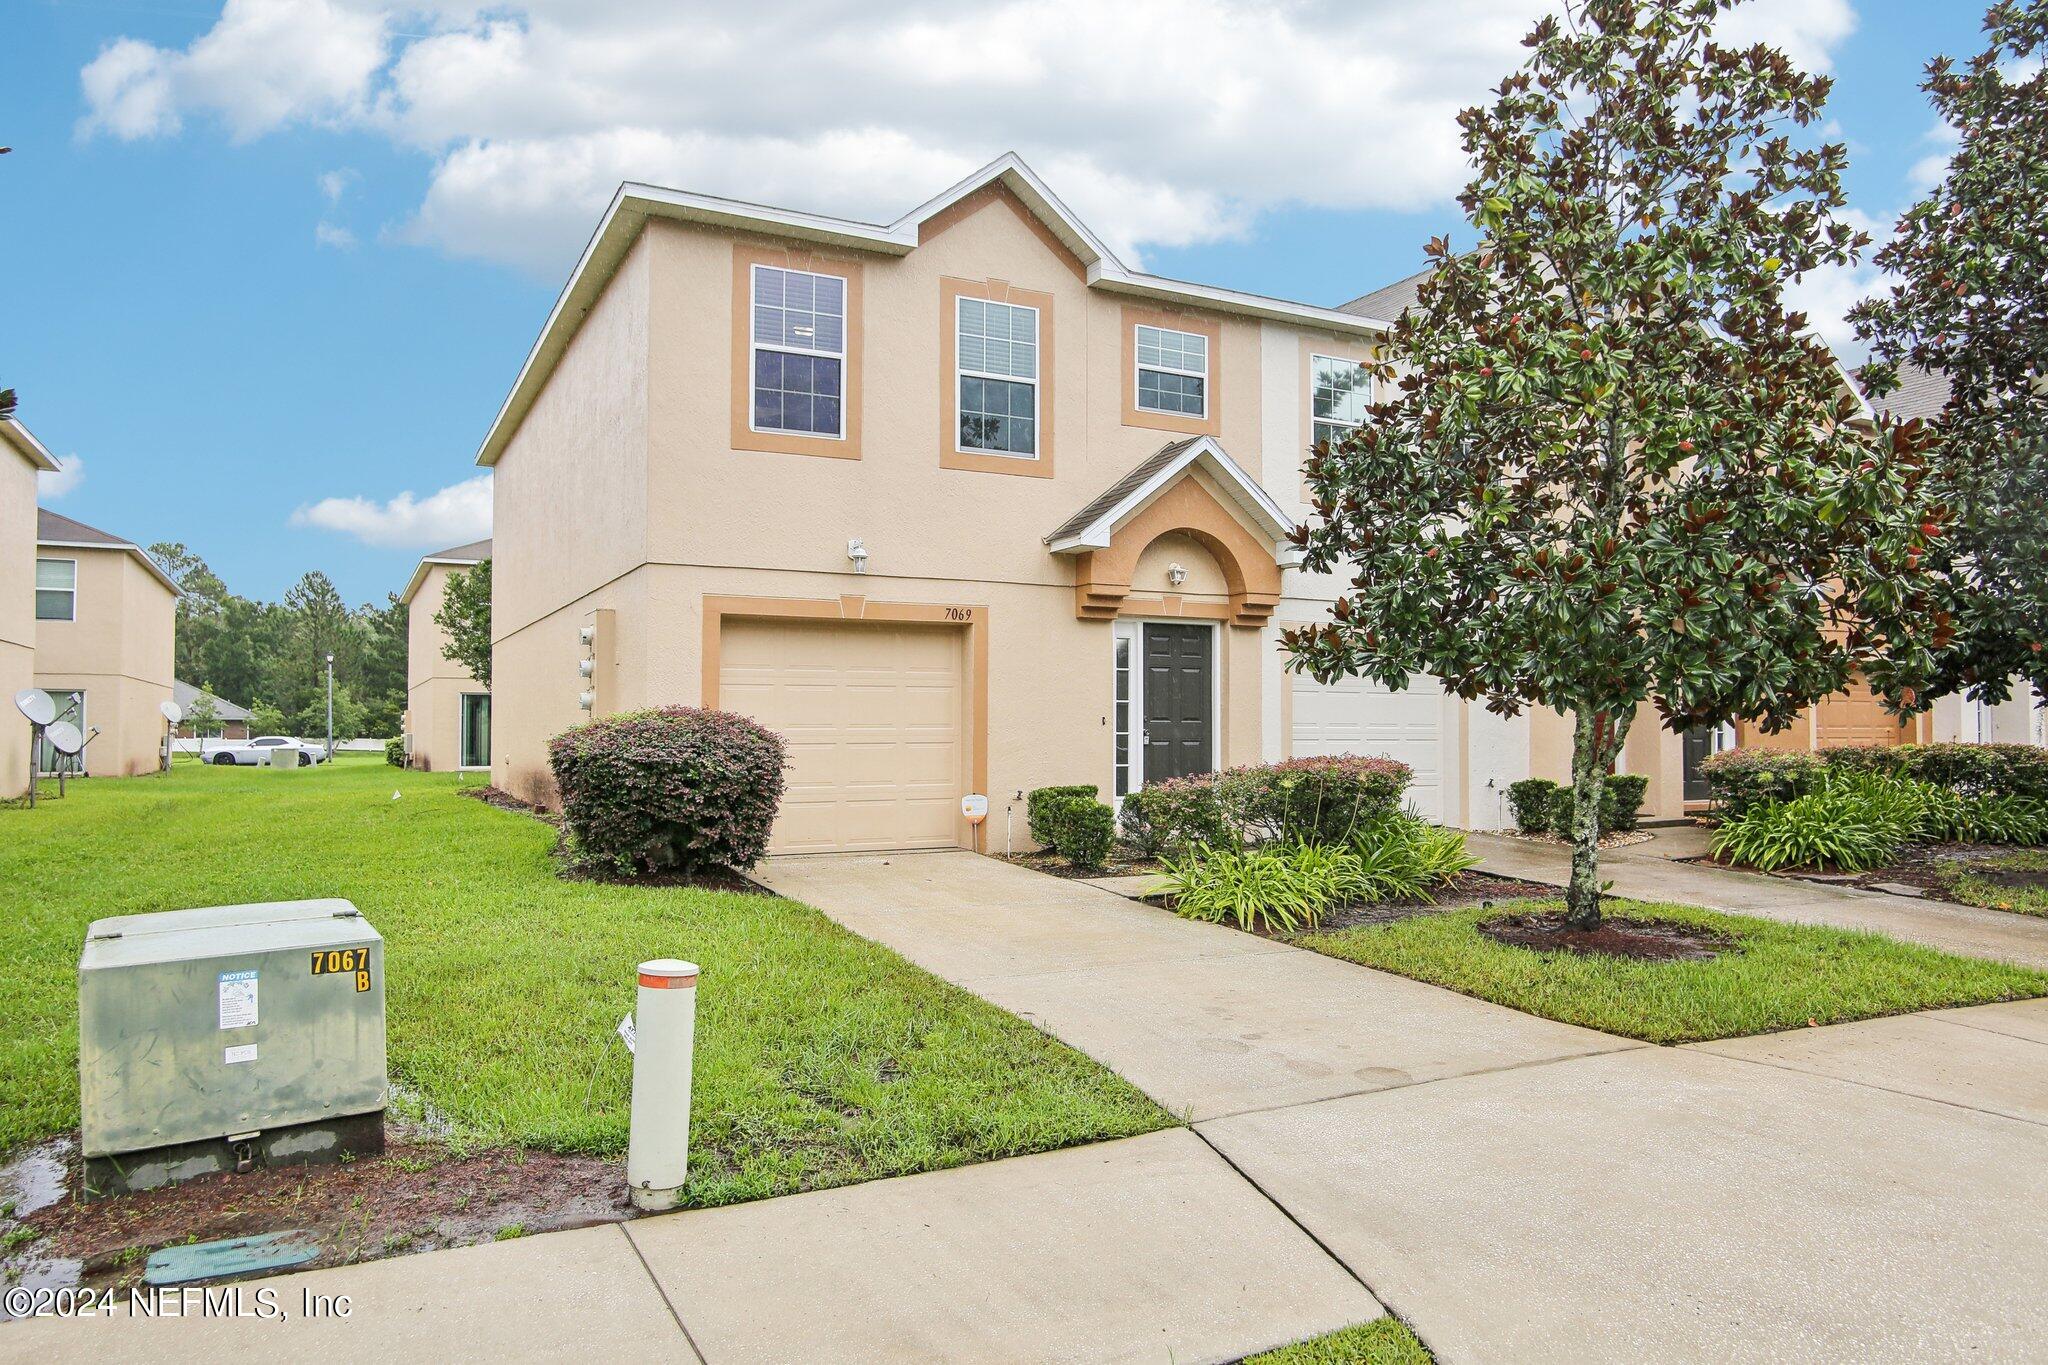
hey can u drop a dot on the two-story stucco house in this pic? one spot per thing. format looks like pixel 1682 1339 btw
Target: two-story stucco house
pixel 447 712
pixel 958 504
pixel 22 457
pixel 105 623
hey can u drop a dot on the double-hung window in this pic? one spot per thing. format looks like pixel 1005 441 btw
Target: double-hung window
pixel 799 352
pixel 56 590
pixel 1173 372
pixel 1339 393
pixel 997 354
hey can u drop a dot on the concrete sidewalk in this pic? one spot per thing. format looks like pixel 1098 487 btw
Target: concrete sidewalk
pixel 1147 1249
pixel 1641 872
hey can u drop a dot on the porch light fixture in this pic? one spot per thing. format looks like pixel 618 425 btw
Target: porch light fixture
pixel 1176 574
pixel 858 553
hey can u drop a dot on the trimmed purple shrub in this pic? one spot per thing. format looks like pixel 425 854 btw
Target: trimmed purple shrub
pixel 671 790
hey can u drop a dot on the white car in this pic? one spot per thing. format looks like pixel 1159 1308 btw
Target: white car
pixel 250 752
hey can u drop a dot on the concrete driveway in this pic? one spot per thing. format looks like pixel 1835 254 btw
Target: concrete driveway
pixel 1519 1190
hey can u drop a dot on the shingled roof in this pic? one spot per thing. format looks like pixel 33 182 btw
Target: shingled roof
pixel 54 528
pixel 1921 393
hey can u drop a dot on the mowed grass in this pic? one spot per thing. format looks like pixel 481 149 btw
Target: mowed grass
pixel 1967 884
pixel 821 1058
pixel 1781 976
pixel 1383 1341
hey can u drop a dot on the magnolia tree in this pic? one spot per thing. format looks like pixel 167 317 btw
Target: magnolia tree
pixel 1614 468
pixel 1971 301
pixel 465 617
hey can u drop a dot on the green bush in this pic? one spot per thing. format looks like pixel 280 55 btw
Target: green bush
pixel 674 789
pixel 1282 886
pixel 394 752
pixel 1140 825
pixel 1082 829
pixel 1185 812
pixel 1621 801
pixel 1741 779
pixel 1890 760
pixel 1530 800
pixel 1979 769
pixel 1040 802
pixel 1402 857
pixel 2019 820
pixel 1312 800
pixel 1822 829
pixel 1563 808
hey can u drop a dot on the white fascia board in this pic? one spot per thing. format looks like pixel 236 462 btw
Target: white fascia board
pixel 1121 281
pixel 419 575
pixel 24 440
pixel 1250 498
pixel 154 568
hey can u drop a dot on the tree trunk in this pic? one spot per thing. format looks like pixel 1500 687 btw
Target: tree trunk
pixel 1596 740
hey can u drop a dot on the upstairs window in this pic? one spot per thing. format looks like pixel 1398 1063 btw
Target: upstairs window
pixel 1173 372
pixel 56 590
pixel 799 352
pixel 1339 393
pixel 997 355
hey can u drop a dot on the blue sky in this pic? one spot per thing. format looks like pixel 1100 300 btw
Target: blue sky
pixel 295 251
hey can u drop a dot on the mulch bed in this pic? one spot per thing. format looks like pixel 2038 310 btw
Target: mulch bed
pixel 1650 940
pixel 1930 868
pixel 1464 892
pixel 1119 864
pixel 421 1195
pixel 1634 836
pixel 504 800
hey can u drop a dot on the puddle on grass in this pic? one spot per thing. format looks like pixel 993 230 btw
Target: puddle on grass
pixel 34 1180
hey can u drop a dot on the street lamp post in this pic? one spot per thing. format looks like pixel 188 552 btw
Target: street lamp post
pixel 330 708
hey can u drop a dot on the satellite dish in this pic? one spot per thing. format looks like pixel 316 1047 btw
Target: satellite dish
pixel 172 711
pixel 64 737
pixel 35 703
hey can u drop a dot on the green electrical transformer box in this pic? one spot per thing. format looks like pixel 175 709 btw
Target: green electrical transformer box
pixel 229 1038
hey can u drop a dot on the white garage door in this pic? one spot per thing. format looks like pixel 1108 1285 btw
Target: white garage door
pixel 1359 717
pixel 872 716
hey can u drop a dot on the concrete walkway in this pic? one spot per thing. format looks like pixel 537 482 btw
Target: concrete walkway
pixel 1516 1189
pixel 1647 872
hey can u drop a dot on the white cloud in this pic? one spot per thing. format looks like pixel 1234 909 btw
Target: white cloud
pixel 334 184
pixel 1826 295
pixel 1932 169
pixel 69 473
pixel 454 515
pixel 1807 31
pixel 264 64
pixel 334 235
pixel 1162 122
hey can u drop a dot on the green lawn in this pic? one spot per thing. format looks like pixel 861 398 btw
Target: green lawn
pixel 1968 885
pixel 1783 976
pixel 821 1058
pixel 1383 1341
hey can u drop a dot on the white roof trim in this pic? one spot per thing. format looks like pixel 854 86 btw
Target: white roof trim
pixel 635 203
pixel 419 574
pixel 1257 505
pixel 24 440
pixel 155 569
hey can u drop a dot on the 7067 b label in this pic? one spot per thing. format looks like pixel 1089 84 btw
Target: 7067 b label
pixel 337 961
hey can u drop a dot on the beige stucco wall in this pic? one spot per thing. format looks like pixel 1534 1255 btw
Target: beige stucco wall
pixel 17 611
pixel 118 650
pixel 434 685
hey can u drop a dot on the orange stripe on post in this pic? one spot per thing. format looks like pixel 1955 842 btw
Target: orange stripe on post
pixel 666 983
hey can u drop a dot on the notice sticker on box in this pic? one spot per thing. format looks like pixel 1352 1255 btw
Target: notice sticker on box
pixel 238 999
pixel 245 1053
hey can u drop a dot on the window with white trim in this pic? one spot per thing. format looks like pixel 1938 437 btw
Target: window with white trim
pixel 1173 372
pixel 996 354
pixel 1339 393
pixel 56 590
pixel 799 352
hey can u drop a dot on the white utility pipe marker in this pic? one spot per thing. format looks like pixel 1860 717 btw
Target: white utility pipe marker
pixel 665 1029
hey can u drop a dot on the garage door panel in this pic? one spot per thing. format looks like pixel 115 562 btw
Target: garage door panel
pixel 1357 717
pixel 873 717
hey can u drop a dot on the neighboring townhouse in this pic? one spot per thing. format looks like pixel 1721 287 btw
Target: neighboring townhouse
pixel 958 504
pixel 106 622
pixel 230 722
pixel 447 712
pixel 22 457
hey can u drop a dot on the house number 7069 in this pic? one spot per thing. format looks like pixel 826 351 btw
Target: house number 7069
pixel 959 613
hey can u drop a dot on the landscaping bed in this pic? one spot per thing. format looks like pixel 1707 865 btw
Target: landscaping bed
pixel 1121 862
pixel 1989 876
pixel 822 1058
pixel 1762 976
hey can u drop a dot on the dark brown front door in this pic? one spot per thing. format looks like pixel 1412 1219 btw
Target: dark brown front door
pixel 1180 721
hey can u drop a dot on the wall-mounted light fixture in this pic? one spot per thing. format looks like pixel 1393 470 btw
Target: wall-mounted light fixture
pixel 1176 574
pixel 586 699
pixel 858 553
pixel 586 634
pixel 587 667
